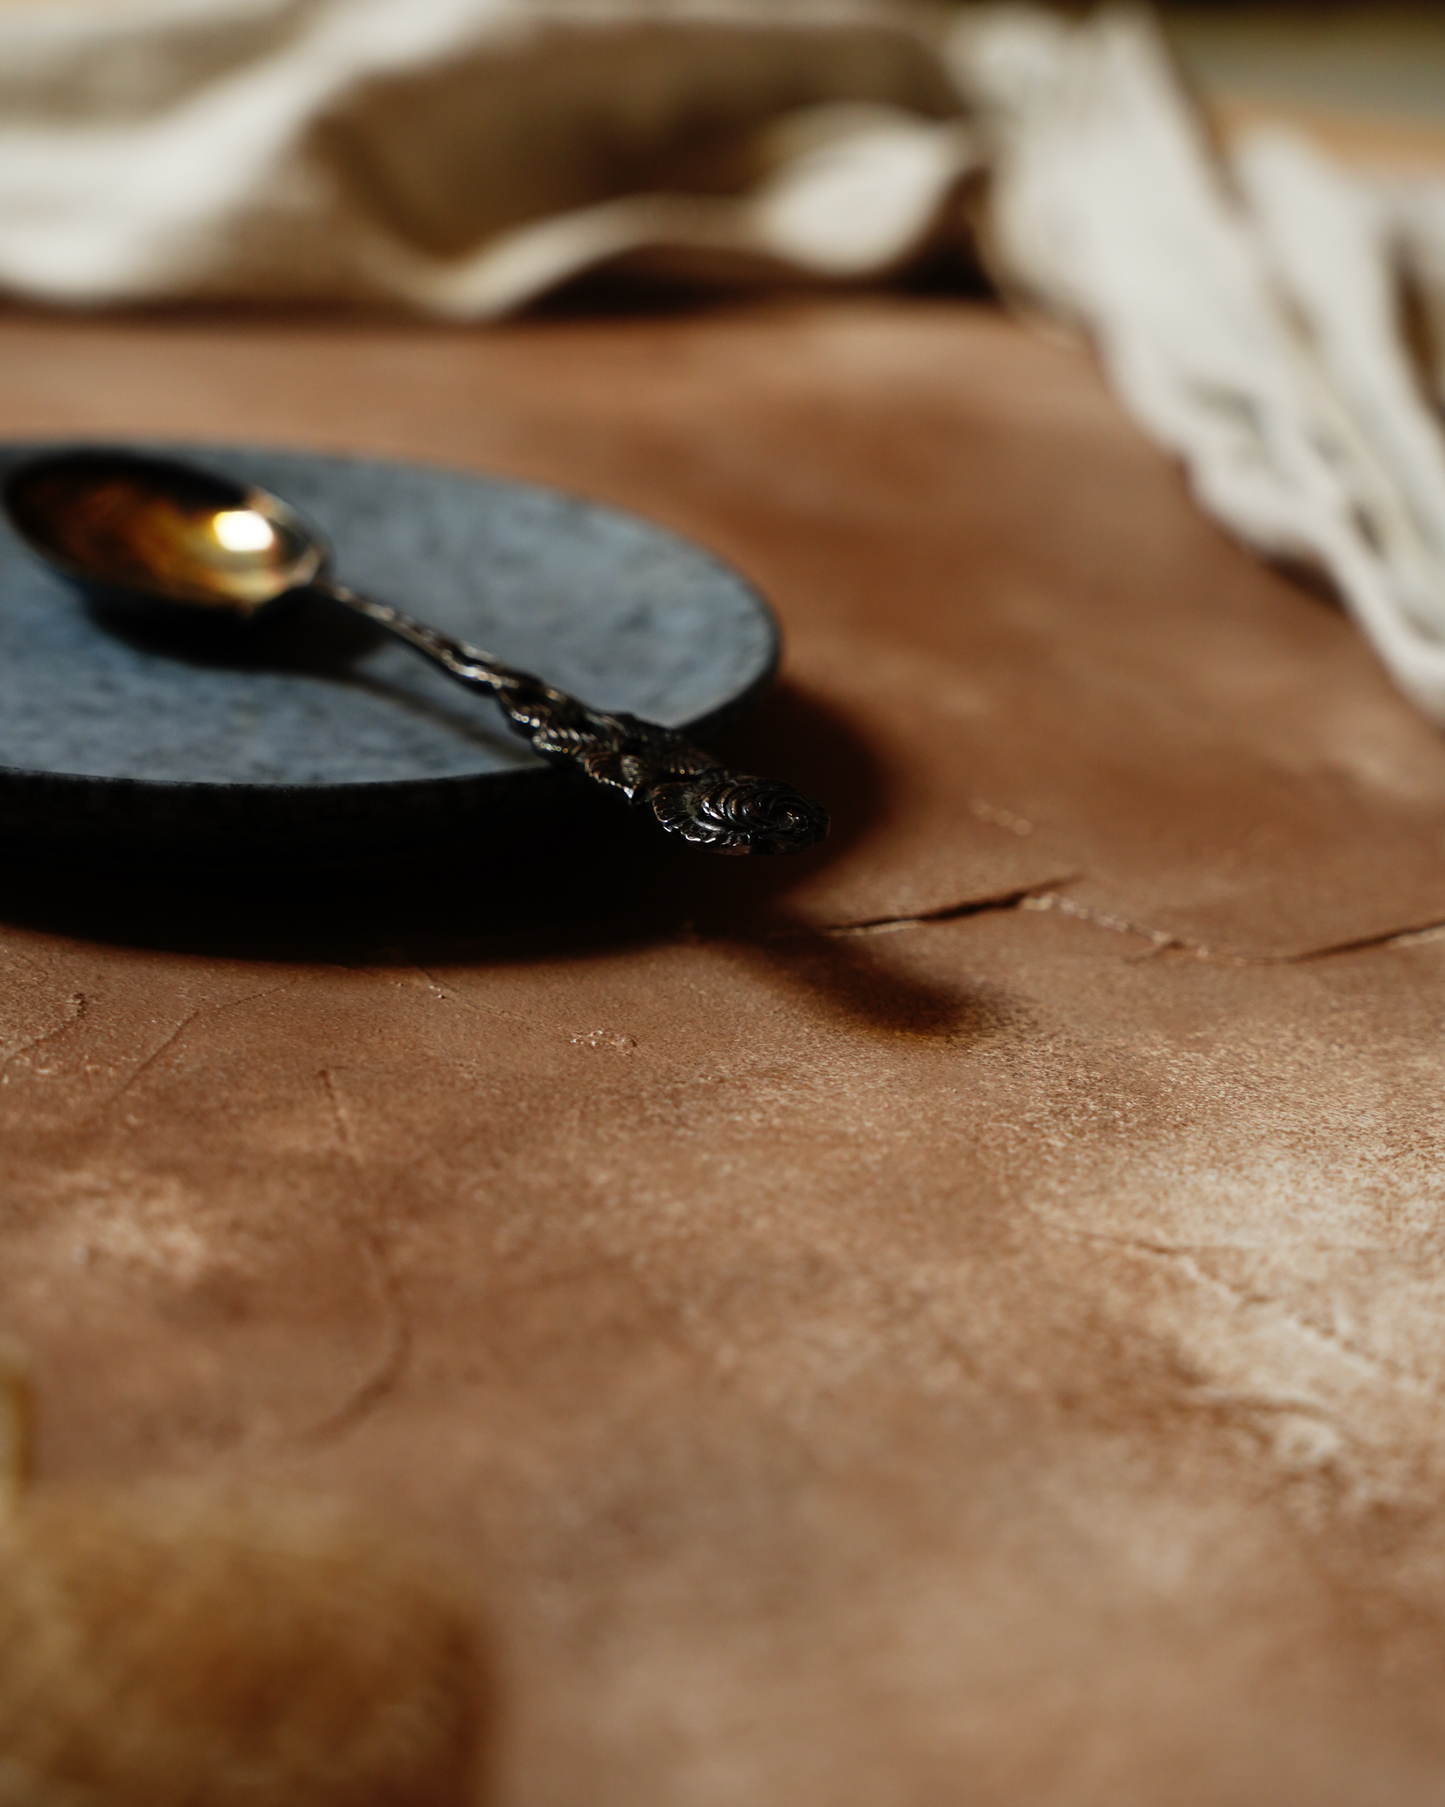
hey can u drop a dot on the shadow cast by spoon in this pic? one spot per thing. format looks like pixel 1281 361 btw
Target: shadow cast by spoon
pixel 312 637
pixel 309 635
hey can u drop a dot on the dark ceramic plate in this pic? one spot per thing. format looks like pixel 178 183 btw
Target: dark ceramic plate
pixel 314 737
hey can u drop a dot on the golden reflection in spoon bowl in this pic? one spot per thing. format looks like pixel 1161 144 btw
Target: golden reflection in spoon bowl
pixel 123 521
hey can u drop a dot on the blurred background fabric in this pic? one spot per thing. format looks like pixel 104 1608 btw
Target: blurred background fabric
pixel 1273 314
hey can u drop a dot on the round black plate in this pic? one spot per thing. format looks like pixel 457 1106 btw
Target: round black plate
pixel 310 735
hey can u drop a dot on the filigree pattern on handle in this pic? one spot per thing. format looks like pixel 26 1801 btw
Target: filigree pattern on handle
pixel 655 768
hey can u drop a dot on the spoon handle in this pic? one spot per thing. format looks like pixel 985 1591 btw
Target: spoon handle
pixel 655 768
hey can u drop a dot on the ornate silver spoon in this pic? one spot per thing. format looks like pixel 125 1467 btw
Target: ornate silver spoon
pixel 183 538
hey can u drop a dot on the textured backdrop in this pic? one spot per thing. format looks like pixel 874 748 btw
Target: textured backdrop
pixel 954 1319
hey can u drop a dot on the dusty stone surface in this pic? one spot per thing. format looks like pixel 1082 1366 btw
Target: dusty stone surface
pixel 958 1318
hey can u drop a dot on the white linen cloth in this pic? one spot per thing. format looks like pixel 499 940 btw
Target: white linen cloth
pixel 462 157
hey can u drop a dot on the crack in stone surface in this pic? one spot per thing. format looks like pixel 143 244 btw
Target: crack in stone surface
pixel 1044 897
pixel 1187 1258
pixel 150 1060
pixel 954 912
pixel 199 1014
pixel 1339 1413
pixel 79 1005
pixel 1162 940
pixel 396 1356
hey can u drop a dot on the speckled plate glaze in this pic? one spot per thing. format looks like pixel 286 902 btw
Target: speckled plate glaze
pixel 316 737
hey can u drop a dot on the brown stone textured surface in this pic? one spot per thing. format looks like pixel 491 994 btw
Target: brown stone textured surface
pixel 990 1359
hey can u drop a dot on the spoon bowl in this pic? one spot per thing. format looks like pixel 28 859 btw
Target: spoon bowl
pixel 151 527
